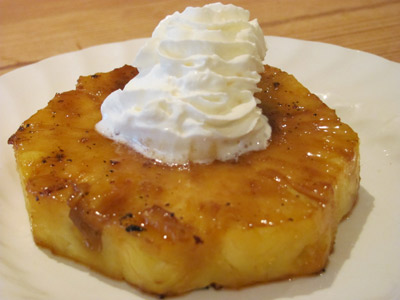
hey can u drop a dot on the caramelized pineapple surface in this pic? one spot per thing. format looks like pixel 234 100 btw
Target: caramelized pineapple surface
pixel 269 215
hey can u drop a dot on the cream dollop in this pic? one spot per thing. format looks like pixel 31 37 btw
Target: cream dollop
pixel 193 99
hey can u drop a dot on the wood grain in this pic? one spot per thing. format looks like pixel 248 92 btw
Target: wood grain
pixel 33 30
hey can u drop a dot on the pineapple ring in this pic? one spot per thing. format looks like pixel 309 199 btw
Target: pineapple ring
pixel 271 214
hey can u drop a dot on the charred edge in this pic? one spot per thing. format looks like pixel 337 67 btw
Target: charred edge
pixel 216 286
pixel 12 139
pixel 126 216
pixel 60 156
pixel 197 239
pixel 131 228
pixel 95 76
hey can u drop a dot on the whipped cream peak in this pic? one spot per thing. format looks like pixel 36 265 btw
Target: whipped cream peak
pixel 193 99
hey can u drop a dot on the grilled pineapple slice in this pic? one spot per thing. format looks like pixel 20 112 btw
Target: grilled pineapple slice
pixel 269 215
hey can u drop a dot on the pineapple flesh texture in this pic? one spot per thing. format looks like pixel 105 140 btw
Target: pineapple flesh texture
pixel 167 230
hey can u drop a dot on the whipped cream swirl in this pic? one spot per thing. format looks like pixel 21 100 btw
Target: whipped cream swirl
pixel 193 99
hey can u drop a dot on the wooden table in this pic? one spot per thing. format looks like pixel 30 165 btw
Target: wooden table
pixel 33 30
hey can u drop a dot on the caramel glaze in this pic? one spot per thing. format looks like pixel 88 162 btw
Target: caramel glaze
pixel 108 184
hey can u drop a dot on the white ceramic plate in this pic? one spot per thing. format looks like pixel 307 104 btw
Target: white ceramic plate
pixel 365 90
